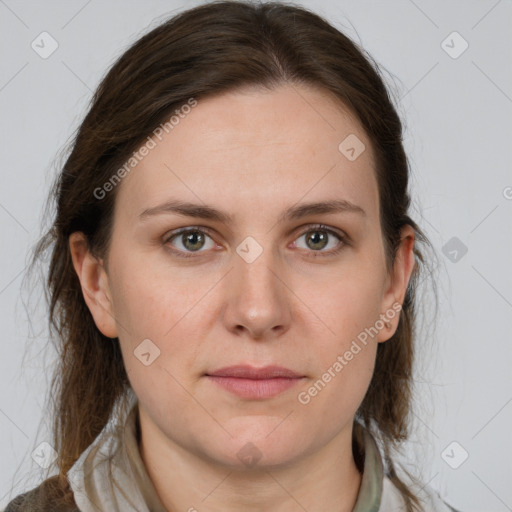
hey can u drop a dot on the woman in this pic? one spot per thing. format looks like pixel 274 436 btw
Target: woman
pixel 233 277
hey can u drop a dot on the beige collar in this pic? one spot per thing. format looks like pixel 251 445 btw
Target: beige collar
pixel 110 474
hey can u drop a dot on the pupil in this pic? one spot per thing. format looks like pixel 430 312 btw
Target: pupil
pixel 192 237
pixel 316 239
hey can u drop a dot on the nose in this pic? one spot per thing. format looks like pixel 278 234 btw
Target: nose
pixel 257 300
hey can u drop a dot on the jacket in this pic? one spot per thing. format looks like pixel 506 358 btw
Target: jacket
pixel 110 476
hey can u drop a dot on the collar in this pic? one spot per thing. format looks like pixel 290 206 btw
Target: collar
pixel 110 473
pixel 370 491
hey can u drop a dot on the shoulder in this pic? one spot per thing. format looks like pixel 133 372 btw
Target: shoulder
pixel 42 498
pixel 392 500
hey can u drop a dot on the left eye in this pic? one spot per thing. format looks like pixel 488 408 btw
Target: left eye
pixel 193 240
pixel 318 238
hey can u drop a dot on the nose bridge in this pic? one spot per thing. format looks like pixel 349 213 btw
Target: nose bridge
pixel 257 294
pixel 256 265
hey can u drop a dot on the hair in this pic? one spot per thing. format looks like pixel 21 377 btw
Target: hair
pixel 202 52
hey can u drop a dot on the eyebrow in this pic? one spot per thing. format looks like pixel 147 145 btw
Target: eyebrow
pixel 292 213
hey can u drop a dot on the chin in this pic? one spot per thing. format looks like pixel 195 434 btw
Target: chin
pixel 259 448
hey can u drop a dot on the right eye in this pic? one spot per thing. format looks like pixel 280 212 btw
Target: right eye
pixel 191 239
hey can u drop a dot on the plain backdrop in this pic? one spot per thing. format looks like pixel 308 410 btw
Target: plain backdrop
pixel 449 65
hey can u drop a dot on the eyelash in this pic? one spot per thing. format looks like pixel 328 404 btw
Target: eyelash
pixel 344 240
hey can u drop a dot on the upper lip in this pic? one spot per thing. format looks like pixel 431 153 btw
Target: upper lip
pixel 251 372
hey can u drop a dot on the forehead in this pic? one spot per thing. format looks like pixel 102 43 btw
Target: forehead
pixel 256 150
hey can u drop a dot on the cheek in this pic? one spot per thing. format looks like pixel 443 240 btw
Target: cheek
pixel 345 347
pixel 345 307
pixel 335 394
pixel 145 303
pixel 158 322
pixel 157 349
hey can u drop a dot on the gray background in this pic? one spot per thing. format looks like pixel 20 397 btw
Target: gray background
pixel 458 136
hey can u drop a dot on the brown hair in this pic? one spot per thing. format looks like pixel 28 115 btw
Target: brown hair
pixel 202 52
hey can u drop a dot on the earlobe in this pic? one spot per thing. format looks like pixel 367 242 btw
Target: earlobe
pixel 94 283
pixel 397 283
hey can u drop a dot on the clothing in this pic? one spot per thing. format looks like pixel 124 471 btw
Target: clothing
pixel 129 488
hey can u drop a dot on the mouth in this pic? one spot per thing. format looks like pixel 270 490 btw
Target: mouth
pixel 255 383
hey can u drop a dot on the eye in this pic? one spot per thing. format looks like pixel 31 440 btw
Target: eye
pixel 317 238
pixel 191 240
pixel 187 241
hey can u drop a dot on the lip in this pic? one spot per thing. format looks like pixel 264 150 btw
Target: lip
pixel 255 383
pixel 250 372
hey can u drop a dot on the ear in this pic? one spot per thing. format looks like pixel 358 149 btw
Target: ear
pixel 396 284
pixel 94 283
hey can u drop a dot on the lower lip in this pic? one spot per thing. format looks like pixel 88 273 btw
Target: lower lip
pixel 255 388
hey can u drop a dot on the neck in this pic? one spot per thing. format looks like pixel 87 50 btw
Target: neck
pixel 327 479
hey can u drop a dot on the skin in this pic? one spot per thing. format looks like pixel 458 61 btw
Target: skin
pixel 251 153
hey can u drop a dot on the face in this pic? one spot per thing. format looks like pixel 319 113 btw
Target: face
pixel 189 294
